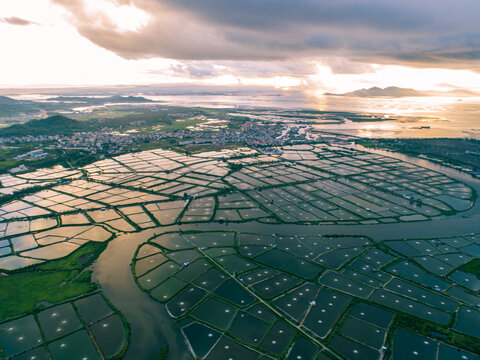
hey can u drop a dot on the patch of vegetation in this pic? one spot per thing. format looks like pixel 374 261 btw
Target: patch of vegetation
pixel 78 158
pixel 173 144
pixel 8 154
pixel 199 148
pixel 123 116
pixel 427 328
pixel 180 124
pixel 163 353
pixel 35 287
pixel 154 144
pixel 18 108
pixel 78 260
pixel 458 152
pixel 53 125
pixel 472 267
pixel 145 119
pixel 66 158
pixel 235 167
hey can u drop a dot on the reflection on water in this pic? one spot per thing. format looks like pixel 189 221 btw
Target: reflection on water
pixel 411 116
pixel 423 117
pixel 414 117
pixel 446 170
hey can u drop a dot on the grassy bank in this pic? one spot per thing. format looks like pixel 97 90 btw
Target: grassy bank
pixel 33 288
pixel 458 152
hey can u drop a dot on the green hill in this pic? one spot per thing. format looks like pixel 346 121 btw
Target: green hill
pixel 17 108
pixel 53 125
pixel 5 100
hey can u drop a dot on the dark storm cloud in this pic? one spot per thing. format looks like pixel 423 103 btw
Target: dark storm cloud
pixel 279 14
pixel 16 21
pixel 421 33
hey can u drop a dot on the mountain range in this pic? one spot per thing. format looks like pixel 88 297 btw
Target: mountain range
pixel 393 91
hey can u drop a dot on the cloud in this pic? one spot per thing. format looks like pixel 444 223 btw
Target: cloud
pixel 17 21
pixel 340 65
pixel 427 33
pixel 241 69
pixel 194 69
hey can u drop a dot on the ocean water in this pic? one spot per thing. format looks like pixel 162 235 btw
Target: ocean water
pixel 417 117
pixel 413 117
pixel 422 117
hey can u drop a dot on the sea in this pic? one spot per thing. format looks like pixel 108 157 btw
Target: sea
pixel 407 117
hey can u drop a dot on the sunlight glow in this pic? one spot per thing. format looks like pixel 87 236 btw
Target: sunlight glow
pixel 277 82
pixel 124 17
pixel 52 52
pixel 393 75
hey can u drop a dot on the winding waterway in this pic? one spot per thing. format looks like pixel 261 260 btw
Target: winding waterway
pixel 151 326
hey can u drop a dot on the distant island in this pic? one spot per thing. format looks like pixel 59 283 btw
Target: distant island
pixel 394 91
pixel 101 100
pixel 18 110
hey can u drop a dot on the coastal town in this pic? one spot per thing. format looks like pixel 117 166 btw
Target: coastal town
pixel 115 142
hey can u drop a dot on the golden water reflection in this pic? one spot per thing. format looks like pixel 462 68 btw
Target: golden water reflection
pixel 408 117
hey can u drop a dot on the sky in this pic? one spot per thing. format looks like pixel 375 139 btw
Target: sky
pixel 323 45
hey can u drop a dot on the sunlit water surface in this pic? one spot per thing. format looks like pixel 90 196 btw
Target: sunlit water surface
pixel 411 117
pixel 423 117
